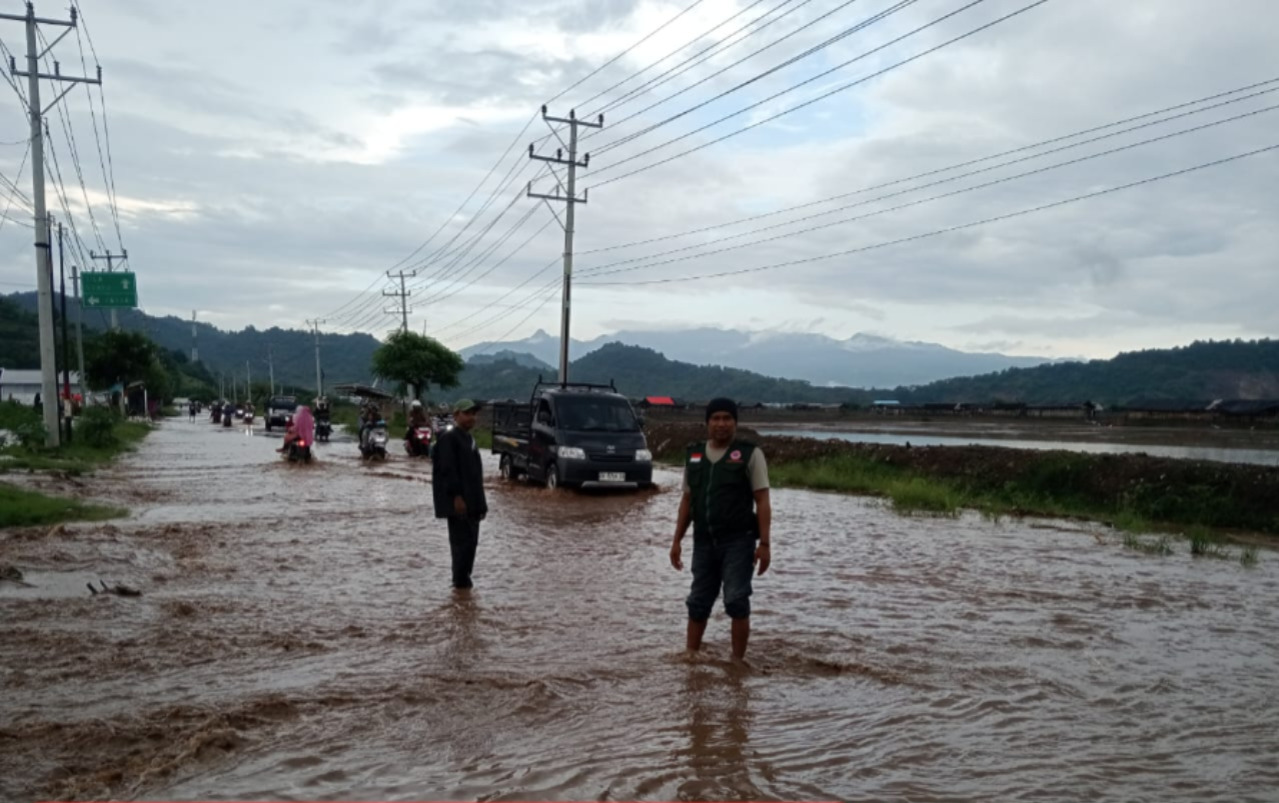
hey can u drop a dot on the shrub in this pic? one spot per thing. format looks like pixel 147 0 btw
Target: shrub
pixel 97 428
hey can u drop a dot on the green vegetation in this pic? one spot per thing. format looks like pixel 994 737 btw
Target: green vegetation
pixel 99 435
pixel 1154 546
pixel 22 508
pixel 416 362
pixel 1053 484
pixel 1248 555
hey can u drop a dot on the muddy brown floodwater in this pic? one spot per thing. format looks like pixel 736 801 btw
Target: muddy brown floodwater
pixel 297 639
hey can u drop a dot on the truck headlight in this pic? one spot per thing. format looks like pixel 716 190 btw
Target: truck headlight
pixel 643 455
pixel 571 453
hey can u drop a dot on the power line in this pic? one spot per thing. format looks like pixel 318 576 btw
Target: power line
pixel 497 301
pixel 601 270
pixel 108 177
pixel 613 60
pixel 823 96
pixel 948 229
pixel 959 166
pixel 838 37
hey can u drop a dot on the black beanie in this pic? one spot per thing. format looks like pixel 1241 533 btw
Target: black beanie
pixel 721 405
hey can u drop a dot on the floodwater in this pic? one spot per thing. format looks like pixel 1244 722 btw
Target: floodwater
pixel 1233 454
pixel 297 640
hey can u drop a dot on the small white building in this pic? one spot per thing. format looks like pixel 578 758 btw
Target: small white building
pixel 23 385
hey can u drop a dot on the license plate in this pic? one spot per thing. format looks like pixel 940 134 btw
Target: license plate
pixel 612 476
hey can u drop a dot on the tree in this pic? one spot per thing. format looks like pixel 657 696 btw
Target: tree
pixel 417 361
pixel 118 356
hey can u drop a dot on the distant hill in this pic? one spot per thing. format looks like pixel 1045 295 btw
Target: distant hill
pixel 519 358
pixel 641 372
pixel 1202 371
pixel 861 361
pixel 344 358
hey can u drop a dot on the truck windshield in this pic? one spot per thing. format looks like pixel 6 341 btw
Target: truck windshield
pixel 595 414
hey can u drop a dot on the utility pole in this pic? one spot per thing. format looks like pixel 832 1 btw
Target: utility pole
pixel 248 381
pixel 402 295
pixel 270 367
pixel 44 275
pixel 570 199
pixel 195 347
pixel 66 364
pixel 79 331
pixel 319 377
pixel 110 258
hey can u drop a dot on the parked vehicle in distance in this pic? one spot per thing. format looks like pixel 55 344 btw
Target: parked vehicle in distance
pixel 572 434
pixel 279 411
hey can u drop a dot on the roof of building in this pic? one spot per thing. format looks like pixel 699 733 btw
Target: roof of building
pixel 662 400
pixel 22 376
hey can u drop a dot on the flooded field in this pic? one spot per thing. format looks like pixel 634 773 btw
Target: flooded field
pixel 297 639
pixel 1221 454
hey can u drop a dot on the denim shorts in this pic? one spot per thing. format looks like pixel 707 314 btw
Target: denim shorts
pixel 727 563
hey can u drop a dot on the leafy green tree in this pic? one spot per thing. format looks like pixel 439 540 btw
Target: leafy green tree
pixel 119 356
pixel 417 361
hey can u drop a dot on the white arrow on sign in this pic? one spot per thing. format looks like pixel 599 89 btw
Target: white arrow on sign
pixel 94 301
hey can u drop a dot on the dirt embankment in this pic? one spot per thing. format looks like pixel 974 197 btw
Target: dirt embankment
pixel 1161 489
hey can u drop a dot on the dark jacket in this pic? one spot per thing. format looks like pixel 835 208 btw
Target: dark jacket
pixel 457 470
pixel 723 502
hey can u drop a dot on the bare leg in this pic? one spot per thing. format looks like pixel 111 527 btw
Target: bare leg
pixel 741 635
pixel 695 632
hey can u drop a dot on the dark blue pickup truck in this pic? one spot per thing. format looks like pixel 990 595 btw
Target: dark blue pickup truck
pixel 572 434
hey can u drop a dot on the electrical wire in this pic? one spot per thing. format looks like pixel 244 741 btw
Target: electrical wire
pixel 948 229
pixel 606 269
pixel 940 170
pixel 805 104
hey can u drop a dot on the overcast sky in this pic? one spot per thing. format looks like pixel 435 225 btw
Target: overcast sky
pixel 273 159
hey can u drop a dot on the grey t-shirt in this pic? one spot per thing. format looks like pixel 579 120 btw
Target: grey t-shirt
pixel 757 466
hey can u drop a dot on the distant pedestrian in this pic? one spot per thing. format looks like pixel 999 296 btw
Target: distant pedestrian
pixel 726 500
pixel 457 477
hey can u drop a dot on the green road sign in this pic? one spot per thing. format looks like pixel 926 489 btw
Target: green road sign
pixel 109 289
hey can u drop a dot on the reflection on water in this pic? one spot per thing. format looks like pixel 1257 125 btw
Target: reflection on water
pixel 1262 457
pixel 298 638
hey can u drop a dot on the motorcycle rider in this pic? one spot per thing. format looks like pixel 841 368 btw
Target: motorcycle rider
pixel 370 414
pixel 417 420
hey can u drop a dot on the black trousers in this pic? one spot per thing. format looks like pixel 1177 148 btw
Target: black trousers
pixel 464 537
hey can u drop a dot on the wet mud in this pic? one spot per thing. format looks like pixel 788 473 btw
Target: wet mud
pixel 296 638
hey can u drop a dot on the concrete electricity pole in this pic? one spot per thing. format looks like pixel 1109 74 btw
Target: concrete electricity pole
pixel 319 377
pixel 195 346
pixel 570 199
pixel 44 275
pixel 79 331
pixel 402 295
pixel 110 258
pixel 270 367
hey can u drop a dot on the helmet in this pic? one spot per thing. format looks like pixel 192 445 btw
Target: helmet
pixel 416 404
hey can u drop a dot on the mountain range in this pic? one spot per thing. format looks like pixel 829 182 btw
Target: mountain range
pixel 860 361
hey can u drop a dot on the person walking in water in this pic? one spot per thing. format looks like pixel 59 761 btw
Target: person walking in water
pixel 726 500
pixel 457 478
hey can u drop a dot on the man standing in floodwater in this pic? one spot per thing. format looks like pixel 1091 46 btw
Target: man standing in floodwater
pixel 726 500
pixel 457 478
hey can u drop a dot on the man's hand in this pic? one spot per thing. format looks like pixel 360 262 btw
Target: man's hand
pixel 459 506
pixel 676 550
pixel 763 556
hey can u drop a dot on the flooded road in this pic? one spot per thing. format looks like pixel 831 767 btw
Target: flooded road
pixel 297 640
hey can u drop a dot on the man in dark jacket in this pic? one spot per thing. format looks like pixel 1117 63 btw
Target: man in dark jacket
pixel 726 500
pixel 457 476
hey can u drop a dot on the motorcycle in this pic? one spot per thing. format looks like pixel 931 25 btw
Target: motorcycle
pixel 417 441
pixel 373 441
pixel 239 412
pixel 228 416
pixel 323 429
pixel 299 452
pixel 248 418
pixel 216 416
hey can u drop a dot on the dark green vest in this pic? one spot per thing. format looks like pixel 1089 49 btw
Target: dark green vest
pixel 723 502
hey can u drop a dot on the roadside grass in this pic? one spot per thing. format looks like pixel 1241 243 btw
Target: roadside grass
pixel 1248 556
pixel 1057 486
pixel 1152 546
pixel 23 508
